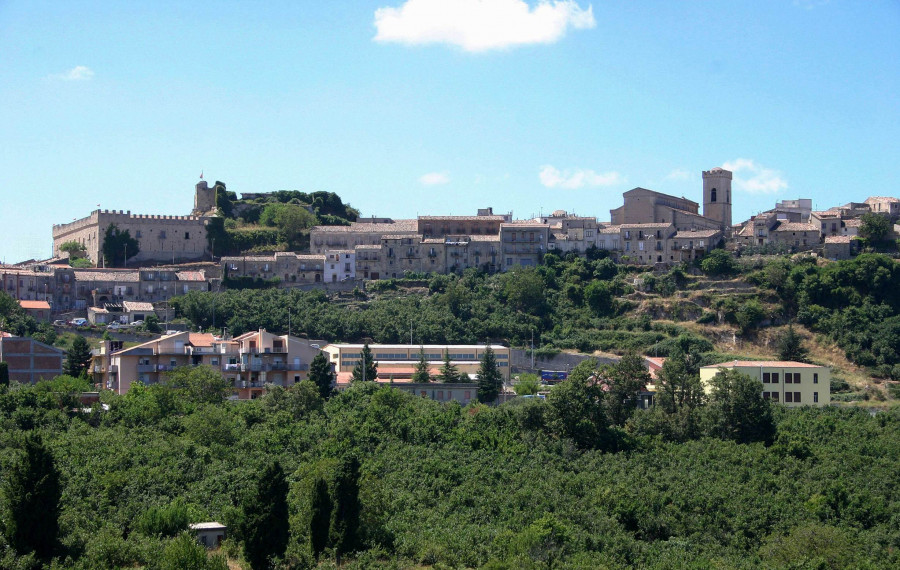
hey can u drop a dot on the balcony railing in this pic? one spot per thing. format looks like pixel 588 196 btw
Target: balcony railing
pixel 146 368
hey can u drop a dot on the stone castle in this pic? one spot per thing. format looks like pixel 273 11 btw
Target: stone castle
pixel 161 237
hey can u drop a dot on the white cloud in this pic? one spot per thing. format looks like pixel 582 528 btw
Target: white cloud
pixel 77 73
pixel 554 178
pixel 679 174
pixel 480 25
pixel 755 178
pixel 434 178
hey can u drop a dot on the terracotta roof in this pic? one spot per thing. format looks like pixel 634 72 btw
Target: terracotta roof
pixel 250 258
pixel 34 304
pixel 696 234
pixel 493 237
pixel 396 236
pixel 4 334
pixel 462 218
pixel 524 224
pixel 763 363
pixel 853 223
pixel 609 230
pixel 882 199
pixel 395 226
pixel 376 247
pixel 639 226
pixel 796 227
pixel 201 339
pixel 137 306
pixel 190 276
pixel 838 239
pixel 106 275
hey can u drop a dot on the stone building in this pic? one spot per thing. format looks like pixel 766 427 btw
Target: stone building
pixel 160 237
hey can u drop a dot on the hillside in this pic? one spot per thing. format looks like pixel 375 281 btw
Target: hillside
pixel 598 307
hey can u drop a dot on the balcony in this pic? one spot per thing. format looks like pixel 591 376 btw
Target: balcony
pixel 164 367
pixel 278 366
pixel 232 367
pixel 253 384
pixel 279 350
pixel 146 368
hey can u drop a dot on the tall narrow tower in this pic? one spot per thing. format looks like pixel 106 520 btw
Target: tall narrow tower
pixel 204 198
pixel 717 195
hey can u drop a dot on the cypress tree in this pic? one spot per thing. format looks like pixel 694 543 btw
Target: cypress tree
pixel 790 346
pixel 322 375
pixel 4 374
pixel 345 515
pixel 366 363
pixel 32 491
pixel 320 519
pixel 264 528
pixel 421 374
pixel 449 372
pixel 490 381
pixel 78 358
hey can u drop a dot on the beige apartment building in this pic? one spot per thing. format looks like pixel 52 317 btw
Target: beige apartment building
pixel 398 361
pixel 790 383
pixel 523 244
pixel 328 238
pixel 249 362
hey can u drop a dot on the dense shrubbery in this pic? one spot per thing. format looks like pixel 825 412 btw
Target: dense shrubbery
pixel 527 484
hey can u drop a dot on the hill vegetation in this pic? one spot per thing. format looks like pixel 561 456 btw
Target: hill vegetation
pixel 842 314
pixel 375 477
pixel 274 221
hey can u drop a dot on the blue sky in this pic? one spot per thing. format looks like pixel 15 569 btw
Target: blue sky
pixel 440 106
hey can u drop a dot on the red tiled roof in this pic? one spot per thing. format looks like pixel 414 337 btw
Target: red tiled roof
pixel 201 339
pixel 763 363
pixel 34 304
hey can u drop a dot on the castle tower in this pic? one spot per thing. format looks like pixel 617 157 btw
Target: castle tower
pixel 717 195
pixel 204 198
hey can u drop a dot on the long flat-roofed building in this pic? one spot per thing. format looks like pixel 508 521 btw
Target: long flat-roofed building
pixel 397 362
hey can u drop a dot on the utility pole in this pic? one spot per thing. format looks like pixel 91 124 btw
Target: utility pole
pixel 410 332
pixel 532 349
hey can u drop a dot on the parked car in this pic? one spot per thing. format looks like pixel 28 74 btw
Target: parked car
pixel 114 326
pixel 59 323
pixel 79 322
pixel 137 323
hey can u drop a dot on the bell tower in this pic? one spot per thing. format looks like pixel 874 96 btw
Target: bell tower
pixel 204 198
pixel 717 195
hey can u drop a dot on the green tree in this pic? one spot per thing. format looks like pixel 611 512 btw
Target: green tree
pixel 264 527
pixel 524 290
pixel 528 384
pixel 449 373
pixel 200 383
pixel 421 373
pixel 151 324
pixel 365 369
pixel 625 381
pixel 78 357
pixel 345 527
pixel 737 409
pixel 4 373
pixel 718 262
pixel 790 346
pixel 118 246
pixel 184 553
pixel 749 315
pixel 875 228
pixel 490 380
pixel 32 492
pixel 74 249
pixel 599 297
pixel 320 517
pixel 168 520
pixel 576 410
pixel 322 375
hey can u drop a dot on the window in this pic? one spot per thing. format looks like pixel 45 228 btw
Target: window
pixel 796 397
pixel 815 377
pixel 766 396
pixel 815 397
pixel 774 396
pixel 162 234
pixel 767 378
pixel 712 195
pixel 788 377
pixel 137 233
pixel 187 235
pixel 788 397
pixel 774 378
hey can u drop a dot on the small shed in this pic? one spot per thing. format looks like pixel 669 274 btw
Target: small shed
pixel 137 310
pixel 209 534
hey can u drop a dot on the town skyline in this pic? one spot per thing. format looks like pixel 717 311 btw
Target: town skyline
pixel 570 106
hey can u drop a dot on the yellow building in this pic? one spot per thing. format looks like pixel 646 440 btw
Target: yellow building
pixel 790 383
pixel 398 361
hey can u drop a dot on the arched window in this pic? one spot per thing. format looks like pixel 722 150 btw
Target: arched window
pixel 712 195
